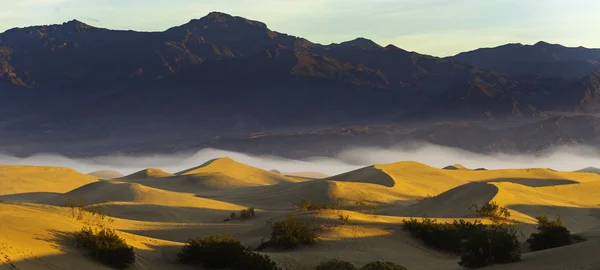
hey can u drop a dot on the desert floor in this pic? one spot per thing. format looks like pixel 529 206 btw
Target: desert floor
pixel 157 211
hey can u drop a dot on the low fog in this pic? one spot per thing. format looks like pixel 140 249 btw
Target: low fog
pixel 562 159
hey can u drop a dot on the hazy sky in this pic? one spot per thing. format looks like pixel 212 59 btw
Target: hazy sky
pixel 437 27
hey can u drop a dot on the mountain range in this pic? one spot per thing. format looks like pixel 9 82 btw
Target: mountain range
pixel 225 76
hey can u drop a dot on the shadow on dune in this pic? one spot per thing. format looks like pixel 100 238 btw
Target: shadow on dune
pixel 450 204
pixel 151 257
pixel 533 182
pixel 161 213
pixel 574 218
pixel 63 241
pixel 28 197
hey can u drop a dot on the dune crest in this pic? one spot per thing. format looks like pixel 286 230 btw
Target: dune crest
pixel 106 174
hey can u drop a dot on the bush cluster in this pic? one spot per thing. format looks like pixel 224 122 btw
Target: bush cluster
pixel 442 236
pixel 362 206
pixel 335 264
pixel 291 232
pixel 382 265
pixel 106 246
pixel 550 234
pixel 223 251
pixel 477 244
pixel 244 214
pixel 495 244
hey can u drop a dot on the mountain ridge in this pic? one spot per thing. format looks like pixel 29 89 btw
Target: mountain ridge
pixel 223 75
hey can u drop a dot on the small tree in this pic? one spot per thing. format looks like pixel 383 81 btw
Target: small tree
pixel 382 265
pixel 77 206
pixel 292 232
pixel 550 234
pixel 491 210
pixel 335 264
pixel 496 244
pixel 106 246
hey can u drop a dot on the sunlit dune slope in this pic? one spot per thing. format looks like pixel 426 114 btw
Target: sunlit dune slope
pixel 26 183
pixel 106 174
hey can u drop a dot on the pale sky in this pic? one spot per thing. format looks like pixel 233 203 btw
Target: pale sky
pixel 436 27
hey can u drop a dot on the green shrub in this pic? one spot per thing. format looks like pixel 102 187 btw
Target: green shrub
pixel 292 232
pixel 477 244
pixel 550 234
pixel 335 264
pixel 254 261
pixel 106 246
pixel 496 244
pixel 362 206
pixel 308 205
pixel 382 265
pixel 442 236
pixel 220 251
pixel 491 210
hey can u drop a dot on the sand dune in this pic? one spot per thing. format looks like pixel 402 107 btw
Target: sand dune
pixel 147 173
pixel 217 174
pixel 236 170
pixel 413 179
pixel 106 174
pixel 30 183
pixel 313 175
pixel 156 211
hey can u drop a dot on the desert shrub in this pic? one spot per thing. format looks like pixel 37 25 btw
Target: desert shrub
pixel 292 232
pixel 382 265
pixel 442 236
pixel 343 218
pixel 335 264
pixel 308 205
pixel 254 261
pixel 550 234
pixel 496 244
pixel 220 251
pixel 476 243
pixel 106 246
pixel 247 213
pixel 491 210
pixel 362 206
pixel 77 206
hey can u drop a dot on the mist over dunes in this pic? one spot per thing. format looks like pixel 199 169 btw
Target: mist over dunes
pixel 566 158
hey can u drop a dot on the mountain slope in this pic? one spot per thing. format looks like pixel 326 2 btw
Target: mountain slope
pixel 79 81
pixel 540 58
